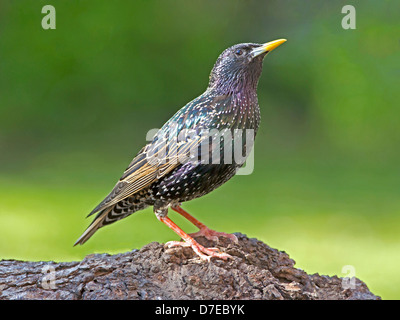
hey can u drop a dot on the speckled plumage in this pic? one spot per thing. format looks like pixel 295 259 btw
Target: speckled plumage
pixel 229 102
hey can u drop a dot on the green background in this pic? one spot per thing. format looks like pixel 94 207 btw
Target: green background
pixel 76 104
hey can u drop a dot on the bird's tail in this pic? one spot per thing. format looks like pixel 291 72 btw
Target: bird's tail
pixel 96 224
pixel 110 215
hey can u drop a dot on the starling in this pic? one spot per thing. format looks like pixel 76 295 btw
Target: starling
pixel 184 160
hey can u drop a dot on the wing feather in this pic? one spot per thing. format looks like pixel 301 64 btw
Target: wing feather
pixel 147 167
pixel 164 153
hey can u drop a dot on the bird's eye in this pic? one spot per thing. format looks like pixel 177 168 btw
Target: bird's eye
pixel 239 52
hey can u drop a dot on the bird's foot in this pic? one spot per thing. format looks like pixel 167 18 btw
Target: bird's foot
pixel 213 235
pixel 203 252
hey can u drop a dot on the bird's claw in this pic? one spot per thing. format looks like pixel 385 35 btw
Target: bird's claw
pixel 203 252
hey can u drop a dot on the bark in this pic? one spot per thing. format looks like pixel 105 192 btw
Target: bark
pixel 155 272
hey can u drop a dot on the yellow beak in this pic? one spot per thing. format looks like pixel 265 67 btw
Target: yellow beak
pixel 267 47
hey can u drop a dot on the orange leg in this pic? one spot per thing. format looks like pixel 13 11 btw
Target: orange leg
pixel 203 252
pixel 204 230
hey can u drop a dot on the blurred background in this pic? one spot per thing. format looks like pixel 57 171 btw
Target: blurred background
pixel 76 104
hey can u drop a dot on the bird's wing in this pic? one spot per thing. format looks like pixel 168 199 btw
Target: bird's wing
pixel 164 153
pixel 154 161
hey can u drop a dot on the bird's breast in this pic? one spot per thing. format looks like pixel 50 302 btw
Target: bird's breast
pixel 240 111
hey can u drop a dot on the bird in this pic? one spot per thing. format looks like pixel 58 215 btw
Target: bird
pixel 186 158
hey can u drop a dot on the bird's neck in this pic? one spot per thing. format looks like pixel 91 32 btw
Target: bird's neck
pixel 242 86
pixel 231 81
pixel 242 99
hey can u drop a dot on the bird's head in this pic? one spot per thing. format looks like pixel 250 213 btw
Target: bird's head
pixel 239 67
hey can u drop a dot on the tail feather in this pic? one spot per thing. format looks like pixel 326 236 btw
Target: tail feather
pixel 96 224
pixel 110 215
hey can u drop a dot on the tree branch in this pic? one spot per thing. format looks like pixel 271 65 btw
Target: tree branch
pixel 154 272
